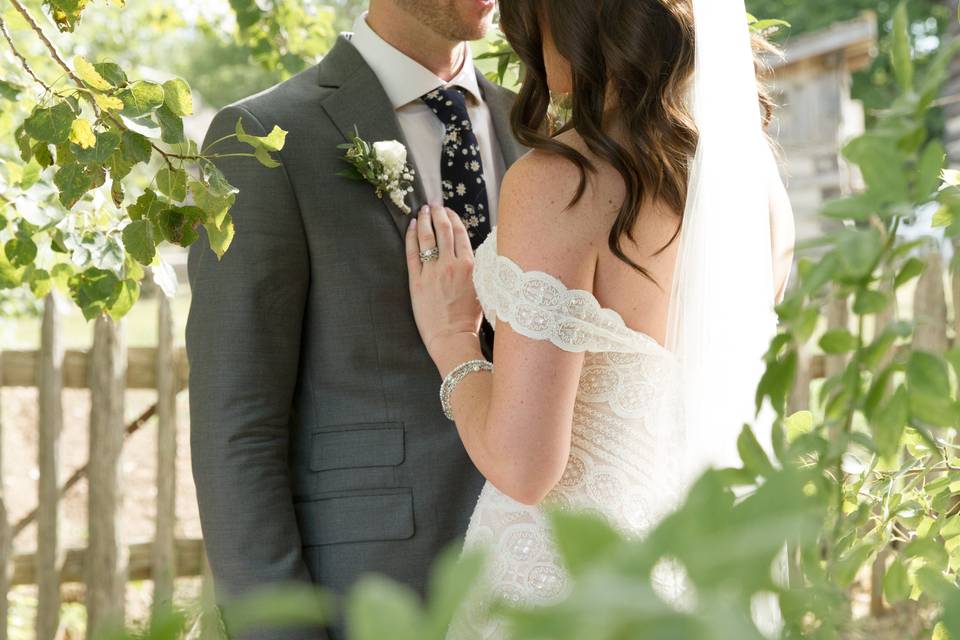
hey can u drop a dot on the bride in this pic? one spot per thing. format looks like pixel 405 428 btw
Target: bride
pixel 639 252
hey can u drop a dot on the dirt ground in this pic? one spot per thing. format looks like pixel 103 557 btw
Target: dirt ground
pixel 138 485
pixel 137 467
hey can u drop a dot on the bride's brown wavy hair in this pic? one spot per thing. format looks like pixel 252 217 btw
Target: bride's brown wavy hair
pixel 640 52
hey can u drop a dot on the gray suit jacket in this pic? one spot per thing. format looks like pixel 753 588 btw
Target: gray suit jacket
pixel 319 448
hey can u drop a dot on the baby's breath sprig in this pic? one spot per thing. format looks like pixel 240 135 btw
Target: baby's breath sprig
pixel 383 164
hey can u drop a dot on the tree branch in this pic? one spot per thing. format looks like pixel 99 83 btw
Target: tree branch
pixel 19 56
pixel 46 41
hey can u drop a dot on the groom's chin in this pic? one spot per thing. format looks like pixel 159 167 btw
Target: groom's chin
pixel 477 17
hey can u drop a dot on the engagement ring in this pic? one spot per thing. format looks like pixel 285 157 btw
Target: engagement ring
pixel 430 254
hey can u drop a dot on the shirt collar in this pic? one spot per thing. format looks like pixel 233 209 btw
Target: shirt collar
pixel 403 78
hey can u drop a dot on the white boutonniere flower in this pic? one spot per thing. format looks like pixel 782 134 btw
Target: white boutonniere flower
pixel 384 165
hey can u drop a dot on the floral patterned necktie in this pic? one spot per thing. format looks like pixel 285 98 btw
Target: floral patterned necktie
pixel 461 169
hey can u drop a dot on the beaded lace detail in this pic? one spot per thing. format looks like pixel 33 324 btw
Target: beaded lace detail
pixel 624 442
pixel 539 306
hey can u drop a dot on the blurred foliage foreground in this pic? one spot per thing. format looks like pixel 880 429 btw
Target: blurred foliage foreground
pixel 870 471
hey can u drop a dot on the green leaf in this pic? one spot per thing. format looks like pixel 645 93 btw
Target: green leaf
pixel 883 166
pixel 753 455
pixel 912 268
pixel 105 144
pixel 41 153
pixel 31 174
pixel 24 143
pixel 582 539
pixel 858 251
pixel 264 157
pixel 139 242
pixel 777 381
pixel 9 90
pixel 869 302
pixel 171 125
pixel 273 141
pixel 220 236
pixel 65 13
pixel 890 421
pixel 929 386
pixel 849 565
pixel 118 165
pixel 136 147
pixel 943 217
pixel 798 424
pixel 21 250
pixel 40 281
pixel 856 207
pixel 928 373
pixel 901 51
pixel 89 74
pixel 838 341
pixel 141 98
pixel 116 193
pixel 953 357
pixel 111 72
pixel 378 608
pixel 147 207
pixel 177 224
pixel 930 550
pixel 279 605
pixel 94 290
pixel 452 579
pixel 172 183
pixel 929 169
pixel 50 125
pixel 212 202
pixel 128 296
pixel 896 582
pixel 73 183
pixel 177 97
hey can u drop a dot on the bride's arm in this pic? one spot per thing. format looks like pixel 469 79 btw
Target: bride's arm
pixel 782 231
pixel 516 423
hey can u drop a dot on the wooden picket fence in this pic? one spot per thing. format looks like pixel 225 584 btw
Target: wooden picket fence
pixel 108 369
pixel 105 566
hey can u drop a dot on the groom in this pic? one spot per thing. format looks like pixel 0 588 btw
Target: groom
pixel 320 451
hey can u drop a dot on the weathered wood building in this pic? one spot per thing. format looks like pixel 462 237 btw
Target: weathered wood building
pixel 812 84
pixel 951 96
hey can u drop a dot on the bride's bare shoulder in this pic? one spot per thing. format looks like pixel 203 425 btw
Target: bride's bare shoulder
pixel 545 183
pixel 537 223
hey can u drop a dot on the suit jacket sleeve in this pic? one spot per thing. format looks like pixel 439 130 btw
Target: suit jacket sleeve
pixel 243 345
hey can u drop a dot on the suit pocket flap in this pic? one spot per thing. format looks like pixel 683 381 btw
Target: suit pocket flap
pixel 363 445
pixel 356 518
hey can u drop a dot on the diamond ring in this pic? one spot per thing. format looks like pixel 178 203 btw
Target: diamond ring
pixel 430 254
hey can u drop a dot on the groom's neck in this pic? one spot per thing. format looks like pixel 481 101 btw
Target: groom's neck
pixel 418 41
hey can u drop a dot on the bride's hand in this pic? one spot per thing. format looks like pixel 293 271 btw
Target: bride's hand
pixel 444 300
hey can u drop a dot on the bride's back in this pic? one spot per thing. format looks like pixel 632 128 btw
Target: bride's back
pixel 642 300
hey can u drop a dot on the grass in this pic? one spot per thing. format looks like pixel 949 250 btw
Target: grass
pixel 140 326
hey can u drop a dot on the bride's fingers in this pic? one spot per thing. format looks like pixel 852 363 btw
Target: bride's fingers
pixel 425 233
pixel 461 239
pixel 414 266
pixel 444 230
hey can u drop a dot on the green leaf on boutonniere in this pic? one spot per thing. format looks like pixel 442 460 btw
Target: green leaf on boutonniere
pixel 351 174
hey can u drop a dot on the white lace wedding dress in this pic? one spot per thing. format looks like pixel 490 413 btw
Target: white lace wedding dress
pixel 623 450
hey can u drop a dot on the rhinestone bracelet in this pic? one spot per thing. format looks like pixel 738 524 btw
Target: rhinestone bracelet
pixel 453 379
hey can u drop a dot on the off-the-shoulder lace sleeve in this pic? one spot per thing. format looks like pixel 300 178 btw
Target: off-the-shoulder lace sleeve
pixel 539 306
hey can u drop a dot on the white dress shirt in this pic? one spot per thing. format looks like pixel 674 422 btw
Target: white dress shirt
pixel 405 81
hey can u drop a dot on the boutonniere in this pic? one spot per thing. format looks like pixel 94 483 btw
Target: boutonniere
pixel 383 164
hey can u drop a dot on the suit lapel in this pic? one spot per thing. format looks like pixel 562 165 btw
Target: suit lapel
pixel 500 102
pixel 361 103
